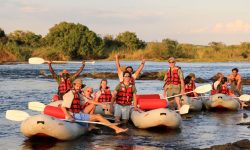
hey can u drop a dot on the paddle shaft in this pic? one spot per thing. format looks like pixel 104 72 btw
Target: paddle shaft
pixel 179 94
pixel 71 62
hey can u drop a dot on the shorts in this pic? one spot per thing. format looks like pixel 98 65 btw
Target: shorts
pixel 81 116
pixel 173 90
pixel 122 111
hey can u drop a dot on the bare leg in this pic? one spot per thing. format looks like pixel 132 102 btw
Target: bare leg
pixel 89 109
pixel 98 117
pixel 177 100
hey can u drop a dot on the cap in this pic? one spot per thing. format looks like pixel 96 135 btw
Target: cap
pixel 77 81
pixel 192 75
pixel 171 59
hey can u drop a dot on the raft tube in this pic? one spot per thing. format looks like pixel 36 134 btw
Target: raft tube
pixel 194 103
pixel 47 126
pixel 222 101
pixel 155 118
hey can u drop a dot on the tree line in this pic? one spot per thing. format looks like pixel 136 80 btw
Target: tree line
pixel 70 41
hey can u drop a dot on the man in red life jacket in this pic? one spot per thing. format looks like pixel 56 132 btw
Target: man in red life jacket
pixel 123 95
pixel 234 80
pixel 72 107
pixel 129 69
pixel 64 79
pixel 174 83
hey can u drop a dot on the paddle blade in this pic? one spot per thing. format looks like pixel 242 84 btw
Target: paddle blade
pixel 203 88
pixel 36 60
pixel 16 115
pixel 37 106
pixel 244 98
pixel 184 109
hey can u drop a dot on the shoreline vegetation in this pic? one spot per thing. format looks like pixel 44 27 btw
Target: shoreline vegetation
pixel 69 41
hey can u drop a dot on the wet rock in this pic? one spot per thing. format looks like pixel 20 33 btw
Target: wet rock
pixel 247 107
pixel 243 144
pixel 243 123
pixel 239 145
pixel 200 80
pixel 245 115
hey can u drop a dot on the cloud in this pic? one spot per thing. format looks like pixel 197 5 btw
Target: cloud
pixel 237 26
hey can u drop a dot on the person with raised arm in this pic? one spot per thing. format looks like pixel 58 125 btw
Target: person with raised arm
pixel 64 79
pixel 129 69
pixel 174 83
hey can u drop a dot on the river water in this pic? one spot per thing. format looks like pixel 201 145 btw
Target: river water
pixel 20 84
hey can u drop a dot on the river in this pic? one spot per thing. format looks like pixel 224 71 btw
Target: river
pixel 22 83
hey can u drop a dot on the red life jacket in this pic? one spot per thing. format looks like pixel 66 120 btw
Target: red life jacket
pixel 173 78
pixel 125 96
pixel 64 86
pixel 132 81
pixel 105 96
pixel 224 90
pixel 189 88
pixel 76 103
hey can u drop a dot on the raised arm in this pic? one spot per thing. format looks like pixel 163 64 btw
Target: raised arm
pixel 117 63
pixel 80 70
pixel 138 71
pixel 54 75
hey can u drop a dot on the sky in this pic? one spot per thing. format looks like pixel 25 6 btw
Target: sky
pixel 186 21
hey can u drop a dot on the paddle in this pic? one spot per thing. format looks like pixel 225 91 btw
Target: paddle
pixel 18 115
pixel 244 98
pixel 38 60
pixel 184 109
pixel 200 90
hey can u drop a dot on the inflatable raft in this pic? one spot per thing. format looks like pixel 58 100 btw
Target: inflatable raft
pixel 194 103
pixel 47 126
pixel 155 118
pixel 222 101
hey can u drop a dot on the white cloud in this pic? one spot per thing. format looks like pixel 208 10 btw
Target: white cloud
pixel 237 26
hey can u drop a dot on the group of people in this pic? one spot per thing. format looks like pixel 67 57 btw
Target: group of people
pixel 79 102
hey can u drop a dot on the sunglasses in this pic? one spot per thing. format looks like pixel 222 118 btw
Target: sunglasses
pixel 126 76
pixel 65 75
pixel 172 62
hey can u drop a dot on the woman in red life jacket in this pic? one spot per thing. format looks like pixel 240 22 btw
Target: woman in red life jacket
pixel 64 79
pixel 174 83
pixel 129 69
pixel 218 77
pixel 72 107
pixel 123 95
pixel 190 86
pixel 104 95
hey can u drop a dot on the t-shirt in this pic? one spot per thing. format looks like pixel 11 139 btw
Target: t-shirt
pixel 118 87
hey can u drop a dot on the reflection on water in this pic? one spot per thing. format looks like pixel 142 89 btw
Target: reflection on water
pixel 21 84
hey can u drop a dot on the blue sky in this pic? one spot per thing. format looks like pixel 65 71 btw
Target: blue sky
pixel 187 21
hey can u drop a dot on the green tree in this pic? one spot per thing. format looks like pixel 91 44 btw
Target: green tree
pixel 217 46
pixel 75 41
pixel 130 40
pixel 25 38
